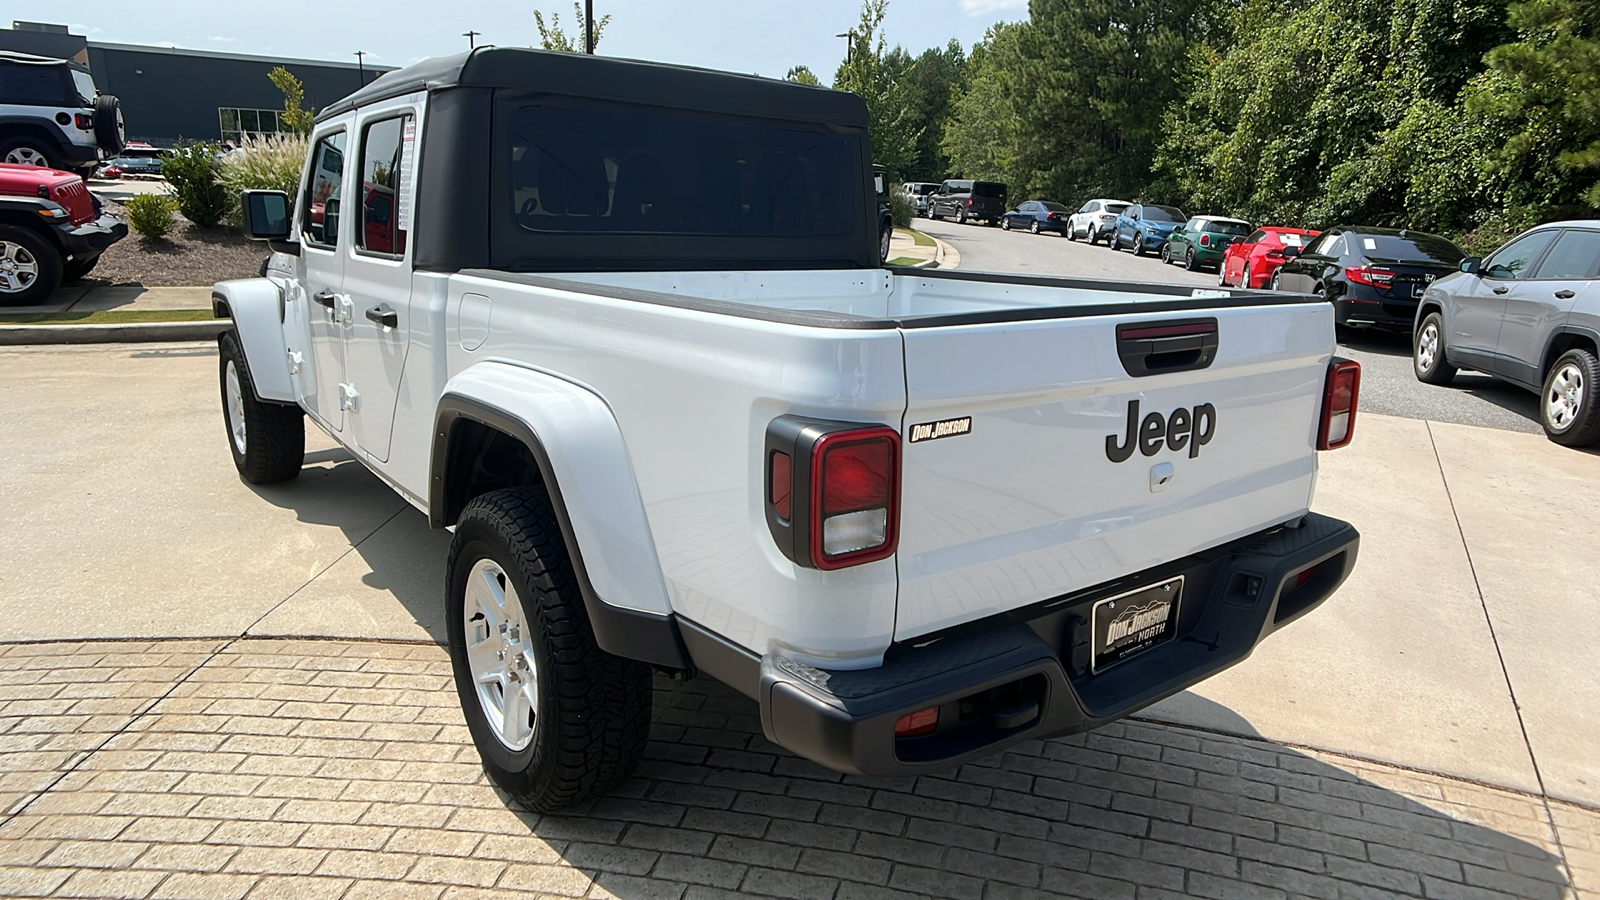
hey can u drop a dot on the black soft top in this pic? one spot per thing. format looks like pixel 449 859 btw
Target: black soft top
pixel 620 80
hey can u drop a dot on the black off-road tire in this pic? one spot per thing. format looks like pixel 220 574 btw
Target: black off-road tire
pixel 1439 372
pixel 592 719
pixel 274 434
pixel 46 258
pixel 1583 428
pixel 108 134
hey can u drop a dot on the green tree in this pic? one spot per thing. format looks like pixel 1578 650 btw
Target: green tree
pixel 979 137
pixel 553 37
pixel 931 80
pixel 802 75
pixel 871 71
pixel 295 115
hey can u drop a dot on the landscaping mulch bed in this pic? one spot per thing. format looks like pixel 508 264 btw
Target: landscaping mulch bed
pixel 187 256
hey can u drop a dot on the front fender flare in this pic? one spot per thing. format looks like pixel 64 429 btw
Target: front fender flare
pixel 256 305
pixel 578 447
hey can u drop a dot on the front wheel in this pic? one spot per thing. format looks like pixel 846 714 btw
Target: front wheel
pixel 1568 408
pixel 268 440
pixel 1071 232
pixel 1138 245
pixel 30 267
pixel 556 720
pixel 1428 356
pixel 1166 255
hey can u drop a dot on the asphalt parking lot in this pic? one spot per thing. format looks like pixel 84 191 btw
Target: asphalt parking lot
pixel 1387 384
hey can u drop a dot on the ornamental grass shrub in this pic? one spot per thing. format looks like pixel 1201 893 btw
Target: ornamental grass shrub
pixel 268 163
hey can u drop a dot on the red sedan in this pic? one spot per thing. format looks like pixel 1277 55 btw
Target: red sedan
pixel 1251 262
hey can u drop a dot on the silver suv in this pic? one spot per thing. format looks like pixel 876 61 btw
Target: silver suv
pixel 1530 315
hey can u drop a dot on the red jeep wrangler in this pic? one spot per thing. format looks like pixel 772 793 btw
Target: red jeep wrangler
pixel 51 230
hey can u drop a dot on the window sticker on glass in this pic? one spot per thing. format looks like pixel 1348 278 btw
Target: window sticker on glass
pixel 408 149
pixel 1369 244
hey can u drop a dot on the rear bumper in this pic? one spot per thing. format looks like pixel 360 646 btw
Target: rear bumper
pixel 1026 675
pixel 88 241
pixel 1372 310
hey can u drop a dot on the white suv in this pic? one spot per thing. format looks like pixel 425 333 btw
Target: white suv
pixel 51 115
pixel 1095 220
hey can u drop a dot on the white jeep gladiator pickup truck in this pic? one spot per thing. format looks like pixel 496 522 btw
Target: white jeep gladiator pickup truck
pixel 624 328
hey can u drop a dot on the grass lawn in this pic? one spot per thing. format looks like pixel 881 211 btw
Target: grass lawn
pixel 107 317
pixel 921 239
pixel 904 261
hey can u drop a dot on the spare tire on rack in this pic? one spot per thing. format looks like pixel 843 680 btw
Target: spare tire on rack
pixel 108 130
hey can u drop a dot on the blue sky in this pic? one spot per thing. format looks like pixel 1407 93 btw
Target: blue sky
pixel 761 36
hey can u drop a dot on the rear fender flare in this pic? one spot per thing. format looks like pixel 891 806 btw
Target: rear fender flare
pixel 256 306
pixel 583 461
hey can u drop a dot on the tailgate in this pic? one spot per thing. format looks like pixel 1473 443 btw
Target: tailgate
pixel 1028 501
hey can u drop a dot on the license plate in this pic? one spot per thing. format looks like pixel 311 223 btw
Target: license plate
pixel 1129 624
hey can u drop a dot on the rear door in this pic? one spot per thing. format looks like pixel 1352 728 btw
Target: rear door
pixel 378 267
pixel 1053 483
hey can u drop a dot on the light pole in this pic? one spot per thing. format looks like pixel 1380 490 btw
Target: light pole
pixel 471 38
pixel 588 26
pixel 361 66
pixel 850 37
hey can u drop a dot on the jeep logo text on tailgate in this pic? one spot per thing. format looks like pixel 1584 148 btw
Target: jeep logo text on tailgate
pixel 1184 427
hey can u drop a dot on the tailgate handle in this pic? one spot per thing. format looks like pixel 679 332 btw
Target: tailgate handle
pixel 1157 348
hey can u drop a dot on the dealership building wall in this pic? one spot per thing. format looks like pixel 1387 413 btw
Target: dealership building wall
pixel 169 94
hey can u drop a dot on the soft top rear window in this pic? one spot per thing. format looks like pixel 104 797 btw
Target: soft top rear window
pixel 626 170
pixel 988 189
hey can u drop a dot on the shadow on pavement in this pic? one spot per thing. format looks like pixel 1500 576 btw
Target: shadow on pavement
pixel 1130 808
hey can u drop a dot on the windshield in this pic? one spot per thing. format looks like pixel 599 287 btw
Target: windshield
pixel 1216 227
pixel 988 189
pixel 1052 207
pixel 1163 214
pixel 85 86
pixel 1413 246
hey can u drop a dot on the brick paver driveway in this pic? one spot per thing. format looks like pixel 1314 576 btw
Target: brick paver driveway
pixel 308 769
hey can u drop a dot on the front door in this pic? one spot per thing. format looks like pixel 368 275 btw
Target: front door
pixel 377 275
pixel 1480 308
pixel 1540 303
pixel 327 310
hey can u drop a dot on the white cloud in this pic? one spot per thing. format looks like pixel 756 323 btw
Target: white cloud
pixel 985 7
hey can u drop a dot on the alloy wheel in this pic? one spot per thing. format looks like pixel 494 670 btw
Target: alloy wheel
pixel 235 408
pixel 1564 398
pixel 18 268
pixel 500 654
pixel 26 156
pixel 1427 347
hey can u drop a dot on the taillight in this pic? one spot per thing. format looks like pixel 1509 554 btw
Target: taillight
pixel 1339 397
pixel 1205 240
pixel 84 121
pixel 969 201
pixel 833 491
pixel 1369 276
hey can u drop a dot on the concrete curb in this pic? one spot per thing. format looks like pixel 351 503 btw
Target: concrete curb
pixel 129 333
pixel 946 256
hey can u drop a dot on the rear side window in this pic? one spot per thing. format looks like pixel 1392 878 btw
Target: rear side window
pixel 385 181
pixel 320 216
pixel 1576 255
pixel 32 85
pixel 1516 259
pixel 988 189
pixel 631 171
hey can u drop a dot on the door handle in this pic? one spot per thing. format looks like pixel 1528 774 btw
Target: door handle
pixel 384 316
pixel 1565 295
pixel 327 298
pixel 1501 290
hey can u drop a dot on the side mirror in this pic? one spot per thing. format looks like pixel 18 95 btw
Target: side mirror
pixel 1471 265
pixel 266 215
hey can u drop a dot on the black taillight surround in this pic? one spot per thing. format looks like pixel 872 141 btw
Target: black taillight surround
pixel 803 440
